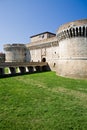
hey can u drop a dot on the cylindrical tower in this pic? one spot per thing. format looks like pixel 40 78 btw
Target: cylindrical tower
pixel 72 39
pixel 15 52
pixel 2 57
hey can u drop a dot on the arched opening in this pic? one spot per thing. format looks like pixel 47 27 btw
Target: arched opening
pixel 67 33
pixel 86 31
pixel 70 32
pixel 83 31
pixel 74 32
pixel 62 35
pixel 79 31
pixel 43 59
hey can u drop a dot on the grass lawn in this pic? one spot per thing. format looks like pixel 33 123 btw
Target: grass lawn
pixel 43 101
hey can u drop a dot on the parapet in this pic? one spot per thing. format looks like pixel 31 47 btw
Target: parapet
pixel 10 46
pixel 41 36
pixel 72 29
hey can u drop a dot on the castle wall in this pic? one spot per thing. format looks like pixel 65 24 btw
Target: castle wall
pixel 2 57
pixel 73 48
pixel 38 37
pixel 72 39
pixel 41 36
pixel 66 53
pixel 35 55
pixel 51 55
pixel 73 57
pixel 16 53
pixel 72 68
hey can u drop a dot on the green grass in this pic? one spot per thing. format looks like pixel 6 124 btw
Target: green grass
pixel 7 71
pixel 43 101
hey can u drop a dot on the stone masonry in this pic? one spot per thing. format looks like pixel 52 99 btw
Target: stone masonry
pixel 65 51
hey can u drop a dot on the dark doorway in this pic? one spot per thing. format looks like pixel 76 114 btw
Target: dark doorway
pixel 43 59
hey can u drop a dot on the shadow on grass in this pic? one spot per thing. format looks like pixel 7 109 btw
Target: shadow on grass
pixel 20 74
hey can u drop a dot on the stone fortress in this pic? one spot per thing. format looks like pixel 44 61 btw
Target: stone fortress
pixel 65 51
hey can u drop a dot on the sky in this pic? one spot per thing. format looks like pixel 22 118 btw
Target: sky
pixel 20 19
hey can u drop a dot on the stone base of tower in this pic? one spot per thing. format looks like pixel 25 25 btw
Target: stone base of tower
pixel 72 68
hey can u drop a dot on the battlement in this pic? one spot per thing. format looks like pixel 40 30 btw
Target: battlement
pixel 72 29
pixel 78 31
pixel 72 24
pixel 14 46
pixel 44 42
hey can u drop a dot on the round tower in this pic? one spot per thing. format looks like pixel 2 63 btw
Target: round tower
pixel 72 39
pixel 15 52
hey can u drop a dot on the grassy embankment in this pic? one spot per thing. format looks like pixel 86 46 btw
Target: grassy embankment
pixel 43 101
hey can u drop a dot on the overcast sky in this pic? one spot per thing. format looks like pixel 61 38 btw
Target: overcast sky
pixel 20 19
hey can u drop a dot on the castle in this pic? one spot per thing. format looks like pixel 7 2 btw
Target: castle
pixel 65 51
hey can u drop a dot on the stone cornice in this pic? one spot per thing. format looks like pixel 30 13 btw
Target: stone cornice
pixel 18 46
pixel 43 43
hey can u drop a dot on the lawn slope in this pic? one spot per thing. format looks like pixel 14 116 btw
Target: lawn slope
pixel 43 101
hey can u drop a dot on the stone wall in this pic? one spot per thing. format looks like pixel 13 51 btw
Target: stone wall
pixel 41 36
pixel 72 68
pixel 16 53
pixel 38 37
pixel 50 53
pixel 74 48
pixel 66 53
pixel 72 38
pixel 2 57
pixel 73 57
